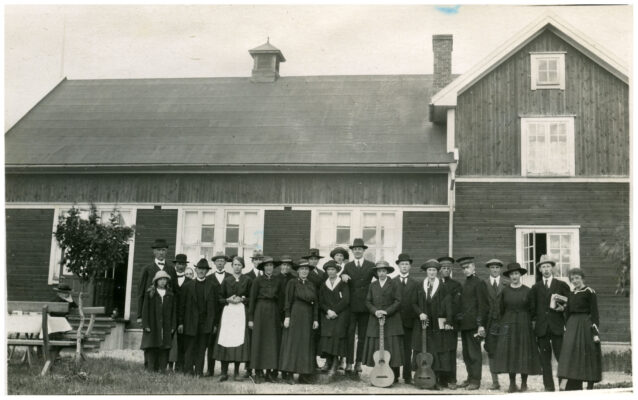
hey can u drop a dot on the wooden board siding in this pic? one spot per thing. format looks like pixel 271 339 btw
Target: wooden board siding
pixel 486 215
pixel 488 130
pixel 28 251
pixel 425 236
pixel 286 232
pixel 151 225
pixel 406 189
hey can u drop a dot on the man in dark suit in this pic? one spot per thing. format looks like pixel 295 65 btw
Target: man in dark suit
pixel 181 260
pixel 494 285
pixel 548 322
pixel 218 276
pixel 317 277
pixel 451 335
pixel 474 308
pixel 408 287
pixel 160 248
pixel 257 257
pixel 196 317
pixel 358 274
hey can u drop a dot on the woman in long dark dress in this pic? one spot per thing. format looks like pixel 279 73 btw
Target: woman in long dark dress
pixel 516 349
pixel 264 318
pixel 581 357
pixel 433 303
pixel 302 318
pixel 334 302
pixel 233 338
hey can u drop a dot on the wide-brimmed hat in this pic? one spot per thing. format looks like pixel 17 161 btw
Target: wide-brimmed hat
pixel 159 244
pixel 545 260
pixel 203 263
pixel 219 255
pixel 358 242
pixel 340 250
pixel 494 261
pixel 331 264
pixel 63 288
pixel 257 253
pixel 403 257
pixel 286 258
pixel 465 260
pixel 181 258
pixel 383 265
pixel 445 260
pixel 511 267
pixel 302 263
pixel 312 253
pixel 159 275
pixel 431 263
pixel 266 260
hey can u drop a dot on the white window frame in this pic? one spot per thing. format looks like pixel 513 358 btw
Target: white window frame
pixel 560 65
pixel 525 123
pixel 574 230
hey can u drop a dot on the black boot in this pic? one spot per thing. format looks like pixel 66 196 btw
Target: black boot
pixel 224 376
pixel 259 376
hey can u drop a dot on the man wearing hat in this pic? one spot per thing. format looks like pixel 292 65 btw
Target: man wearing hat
pixel 63 295
pixel 358 274
pixel 408 288
pixel 548 322
pixel 286 271
pixel 318 278
pixel 474 310
pixel 219 274
pixel 160 248
pixel 197 316
pixel 451 332
pixel 176 356
pixel 494 285
pixel 257 257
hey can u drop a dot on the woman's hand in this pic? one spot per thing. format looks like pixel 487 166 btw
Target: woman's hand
pixel 331 314
pixel 315 325
pixel 250 324
pixel 180 329
pixel 147 329
pixel 345 278
pixel 287 322
pixel 423 317
pixel 379 313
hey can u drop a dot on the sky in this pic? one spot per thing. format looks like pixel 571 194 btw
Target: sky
pixel 45 43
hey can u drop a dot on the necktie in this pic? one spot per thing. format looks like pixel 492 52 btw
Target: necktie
pixel 429 291
pixel 405 280
pixel 494 285
pixel 358 264
pixel 547 283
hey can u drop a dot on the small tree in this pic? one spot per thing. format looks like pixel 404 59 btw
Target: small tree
pixel 90 248
pixel 617 251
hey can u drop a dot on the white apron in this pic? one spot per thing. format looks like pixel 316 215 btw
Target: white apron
pixel 232 326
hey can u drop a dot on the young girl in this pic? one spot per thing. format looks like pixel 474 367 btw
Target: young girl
pixel 233 338
pixel 334 302
pixel 159 320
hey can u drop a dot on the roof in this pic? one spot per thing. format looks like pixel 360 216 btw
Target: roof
pixel 325 120
pixel 268 48
pixel 448 95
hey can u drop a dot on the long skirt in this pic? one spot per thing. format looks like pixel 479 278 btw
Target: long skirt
pixel 442 359
pixel 393 344
pixel 516 349
pixel 172 355
pixel 580 357
pixel 329 346
pixel 266 336
pixel 297 342
pixel 228 328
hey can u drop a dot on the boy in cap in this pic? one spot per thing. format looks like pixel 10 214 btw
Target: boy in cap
pixel 494 285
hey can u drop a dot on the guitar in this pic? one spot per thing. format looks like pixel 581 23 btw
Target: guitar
pixel 424 377
pixel 381 375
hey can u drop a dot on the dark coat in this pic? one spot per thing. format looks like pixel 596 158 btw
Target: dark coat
pixel 188 314
pixel 474 304
pixel 230 287
pixel 455 291
pixel 160 317
pixel 408 300
pixel 387 298
pixel 547 320
pixel 218 287
pixel 492 325
pixel 146 281
pixel 317 277
pixel 359 284
pixel 337 300
pixel 272 289
pixel 438 306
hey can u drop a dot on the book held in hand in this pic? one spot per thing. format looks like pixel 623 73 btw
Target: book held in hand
pixel 557 300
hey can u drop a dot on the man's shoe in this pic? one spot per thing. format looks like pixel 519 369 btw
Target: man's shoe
pixel 463 384
pixel 550 389
pixel 523 387
pixel 408 381
pixel 289 380
pixel 238 378
pixel 259 379
pixel 495 386
pixel 473 386
pixel 223 378
pixel 512 388
pixel 349 368
pixel 357 367
pixel 451 386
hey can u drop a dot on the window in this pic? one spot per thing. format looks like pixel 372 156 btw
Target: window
pixel 547 146
pixel 561 244
pixel 333 229
pixel 198 234
pixel 243 232
pixel 379 233
pixel 548 71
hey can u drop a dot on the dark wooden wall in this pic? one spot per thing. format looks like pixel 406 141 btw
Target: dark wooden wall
pixel 425 236
pixel 230 188
pixel 286 232
pixel 488 132
pixel 29 235
pixel 486 214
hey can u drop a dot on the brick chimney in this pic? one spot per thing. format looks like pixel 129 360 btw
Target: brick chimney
pixel 266 63
pixel 442 48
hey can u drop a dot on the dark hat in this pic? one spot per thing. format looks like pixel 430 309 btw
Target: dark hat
pixel 341 250
pixel 202 264
pixel 545 260
pixel 312 253
pixel 286 259
pixel 302 263
pixel 331 264
pixel 511 267
pixel 257 253
pixel 358 242
pixel 181 258
pixel 465 260
pixel 445 260
pixel 265 261
pixel 159 244
pixel 63 288
pixel 403 257
pixel 431 263
pixel 219 255
pixel 494 261
pixel 383 265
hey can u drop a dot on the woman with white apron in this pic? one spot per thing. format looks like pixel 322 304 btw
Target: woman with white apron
pixel 233 338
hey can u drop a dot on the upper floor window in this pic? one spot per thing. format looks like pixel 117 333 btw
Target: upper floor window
pixel 548 71
pixel 547 147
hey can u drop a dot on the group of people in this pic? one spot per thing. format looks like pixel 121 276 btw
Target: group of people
pixel 285 314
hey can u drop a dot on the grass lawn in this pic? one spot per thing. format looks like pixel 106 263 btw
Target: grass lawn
pixel 121 372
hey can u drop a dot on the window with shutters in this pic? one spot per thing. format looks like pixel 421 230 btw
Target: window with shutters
pixel 548 71
pixel 547 146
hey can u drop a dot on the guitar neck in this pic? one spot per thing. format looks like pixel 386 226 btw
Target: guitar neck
pixel 381 337
pixel 424 338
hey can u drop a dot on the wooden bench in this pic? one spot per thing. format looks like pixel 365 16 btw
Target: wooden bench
pixel 51 348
